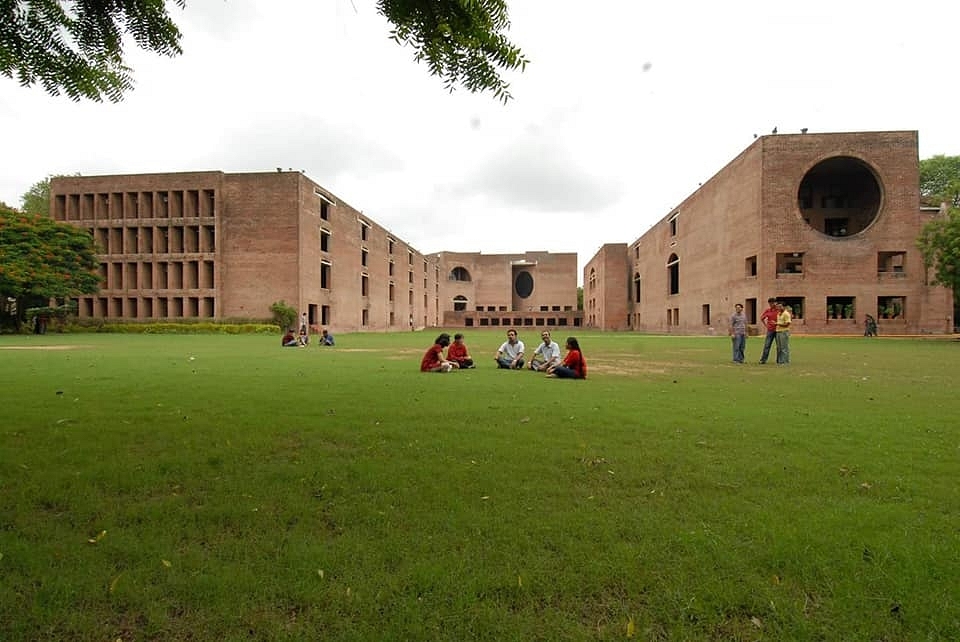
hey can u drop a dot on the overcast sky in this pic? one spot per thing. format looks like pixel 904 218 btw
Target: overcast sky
pixel 624 109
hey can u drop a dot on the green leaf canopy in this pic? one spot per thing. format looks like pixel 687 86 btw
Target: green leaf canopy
pixel 39 256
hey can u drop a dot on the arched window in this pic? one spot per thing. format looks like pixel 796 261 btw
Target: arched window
pixel 636 287
pixel 459 303
pixel 673 273
pixel 593 278
pixel 459 273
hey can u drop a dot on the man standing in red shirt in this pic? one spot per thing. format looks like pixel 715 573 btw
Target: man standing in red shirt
pixel 769 318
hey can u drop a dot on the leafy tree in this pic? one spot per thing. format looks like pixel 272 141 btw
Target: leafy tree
pixel 940 180
pixel 283 315
pixel 41 258
pixel 76 46
pixel 36 200
pixel 939 243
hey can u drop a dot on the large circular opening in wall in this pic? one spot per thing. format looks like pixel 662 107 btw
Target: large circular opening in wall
pixel 523 284
pixel 839 196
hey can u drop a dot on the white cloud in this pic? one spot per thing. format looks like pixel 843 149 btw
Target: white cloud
pixel 623 111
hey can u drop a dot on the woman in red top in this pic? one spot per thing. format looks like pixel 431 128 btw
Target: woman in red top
pixel 433 360
pixel 574 366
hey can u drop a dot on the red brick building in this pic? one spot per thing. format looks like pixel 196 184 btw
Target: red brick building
pixel 212 245
pixel 824 222
pixel 530 289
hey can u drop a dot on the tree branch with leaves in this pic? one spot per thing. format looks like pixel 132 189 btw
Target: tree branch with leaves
pixel 75 47
pixel 461 41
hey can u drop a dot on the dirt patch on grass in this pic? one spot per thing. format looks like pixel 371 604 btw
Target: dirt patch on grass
pixel 72 347
pixel 634 366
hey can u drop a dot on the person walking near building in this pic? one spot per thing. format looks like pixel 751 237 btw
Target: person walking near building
pixel 546 355
pixel 769 319
pixel 784 320
pixel 738 332
pixel 869 326
pixel 510 354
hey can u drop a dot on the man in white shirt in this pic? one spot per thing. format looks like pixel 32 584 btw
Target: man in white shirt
pixel 547 353
pixel 510 354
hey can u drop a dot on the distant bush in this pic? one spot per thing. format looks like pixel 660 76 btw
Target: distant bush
pixel 283 315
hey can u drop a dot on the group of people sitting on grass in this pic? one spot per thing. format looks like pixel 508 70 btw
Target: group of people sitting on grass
pixel 510 356
pixel 302 339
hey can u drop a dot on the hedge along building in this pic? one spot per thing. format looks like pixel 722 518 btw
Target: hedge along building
pixel 212 245
pixel 826 223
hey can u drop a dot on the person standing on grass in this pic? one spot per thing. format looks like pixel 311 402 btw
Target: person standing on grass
pixel 869 326
pixel 510 354
pixel 574 366
pixel 769 320
pixel 458 353
pixel 433 360
pixel 784 320
pixel 738 332
pixel 546 355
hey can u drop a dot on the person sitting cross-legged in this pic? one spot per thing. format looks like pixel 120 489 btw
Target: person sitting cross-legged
pixel 574 366
pixel 289 340
pixel 433 360
pixel 458 353
pixel 510 354
pixel 546 355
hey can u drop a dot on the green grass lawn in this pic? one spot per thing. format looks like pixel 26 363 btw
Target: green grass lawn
pixel 224 488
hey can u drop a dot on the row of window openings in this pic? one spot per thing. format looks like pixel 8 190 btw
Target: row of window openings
pixel 158 275
pixel 135 205
pixel 364 252
pixel 365 236
pixel 326 282
pixel 674 228
pixel 888 263
pixel 151 240
pixel 146 307
pixel 837 307
pixel 392 319
pixel 461 306
pixel 364 232
pixel 836 226
pixel 518 321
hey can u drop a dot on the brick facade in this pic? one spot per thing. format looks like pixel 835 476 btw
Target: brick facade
pixel 826 222
pixel 212 245
pixel 530 289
